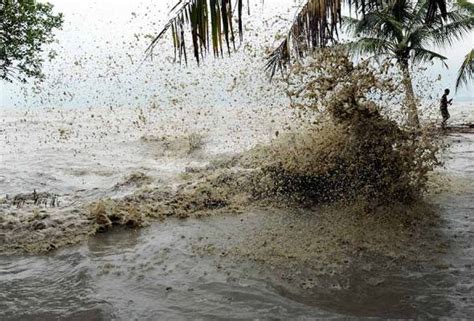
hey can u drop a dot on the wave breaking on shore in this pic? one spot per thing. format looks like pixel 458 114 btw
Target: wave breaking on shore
pixel 353 155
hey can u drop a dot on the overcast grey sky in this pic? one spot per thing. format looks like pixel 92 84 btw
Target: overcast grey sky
pixel 102 43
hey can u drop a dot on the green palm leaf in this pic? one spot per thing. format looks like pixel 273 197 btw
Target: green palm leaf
pixel 425 55
pixel 453 31
pixel 367 45
pixel 466 72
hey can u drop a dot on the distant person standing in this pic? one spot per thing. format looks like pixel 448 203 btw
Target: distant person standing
pixel 444 107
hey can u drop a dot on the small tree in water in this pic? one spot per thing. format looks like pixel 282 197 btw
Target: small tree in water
pixel 26 26
pixel 399 31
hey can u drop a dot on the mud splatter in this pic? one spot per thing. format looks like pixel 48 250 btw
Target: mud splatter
pixel 175 146
pixel 354 155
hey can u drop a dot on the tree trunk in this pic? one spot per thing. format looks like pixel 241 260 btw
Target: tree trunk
pixel 410 98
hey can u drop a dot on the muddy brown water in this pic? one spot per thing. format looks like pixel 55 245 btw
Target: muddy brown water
pixel 154 273
pixel 172 271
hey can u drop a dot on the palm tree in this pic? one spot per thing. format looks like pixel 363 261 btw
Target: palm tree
pixel 211 24
pixel 466 71
pixel 399 31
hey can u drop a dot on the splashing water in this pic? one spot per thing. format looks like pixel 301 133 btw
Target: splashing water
pixel 360 174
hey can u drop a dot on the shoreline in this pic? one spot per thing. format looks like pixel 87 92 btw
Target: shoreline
pixel 324 259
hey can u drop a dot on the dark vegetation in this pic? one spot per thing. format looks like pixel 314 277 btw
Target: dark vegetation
pixel 26 26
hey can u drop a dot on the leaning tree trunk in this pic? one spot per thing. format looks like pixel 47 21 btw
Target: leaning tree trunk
pixel 410 98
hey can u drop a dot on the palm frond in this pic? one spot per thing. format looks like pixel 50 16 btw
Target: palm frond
pixel 441 31
pixel 455 14
pixel 278 59
pixel 367 45
pixel 317 23
pixel 400 29
pixel 374 24
pixel 466 72
pixel 434 8
pixel 425 55
pixel 466 5
pixel 349 23
pixel 447 34
pixel 210 23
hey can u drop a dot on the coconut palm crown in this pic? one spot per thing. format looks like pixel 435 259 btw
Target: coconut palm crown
pixel 399 31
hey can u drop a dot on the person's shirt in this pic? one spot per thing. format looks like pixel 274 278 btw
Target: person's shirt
pixel 444 102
